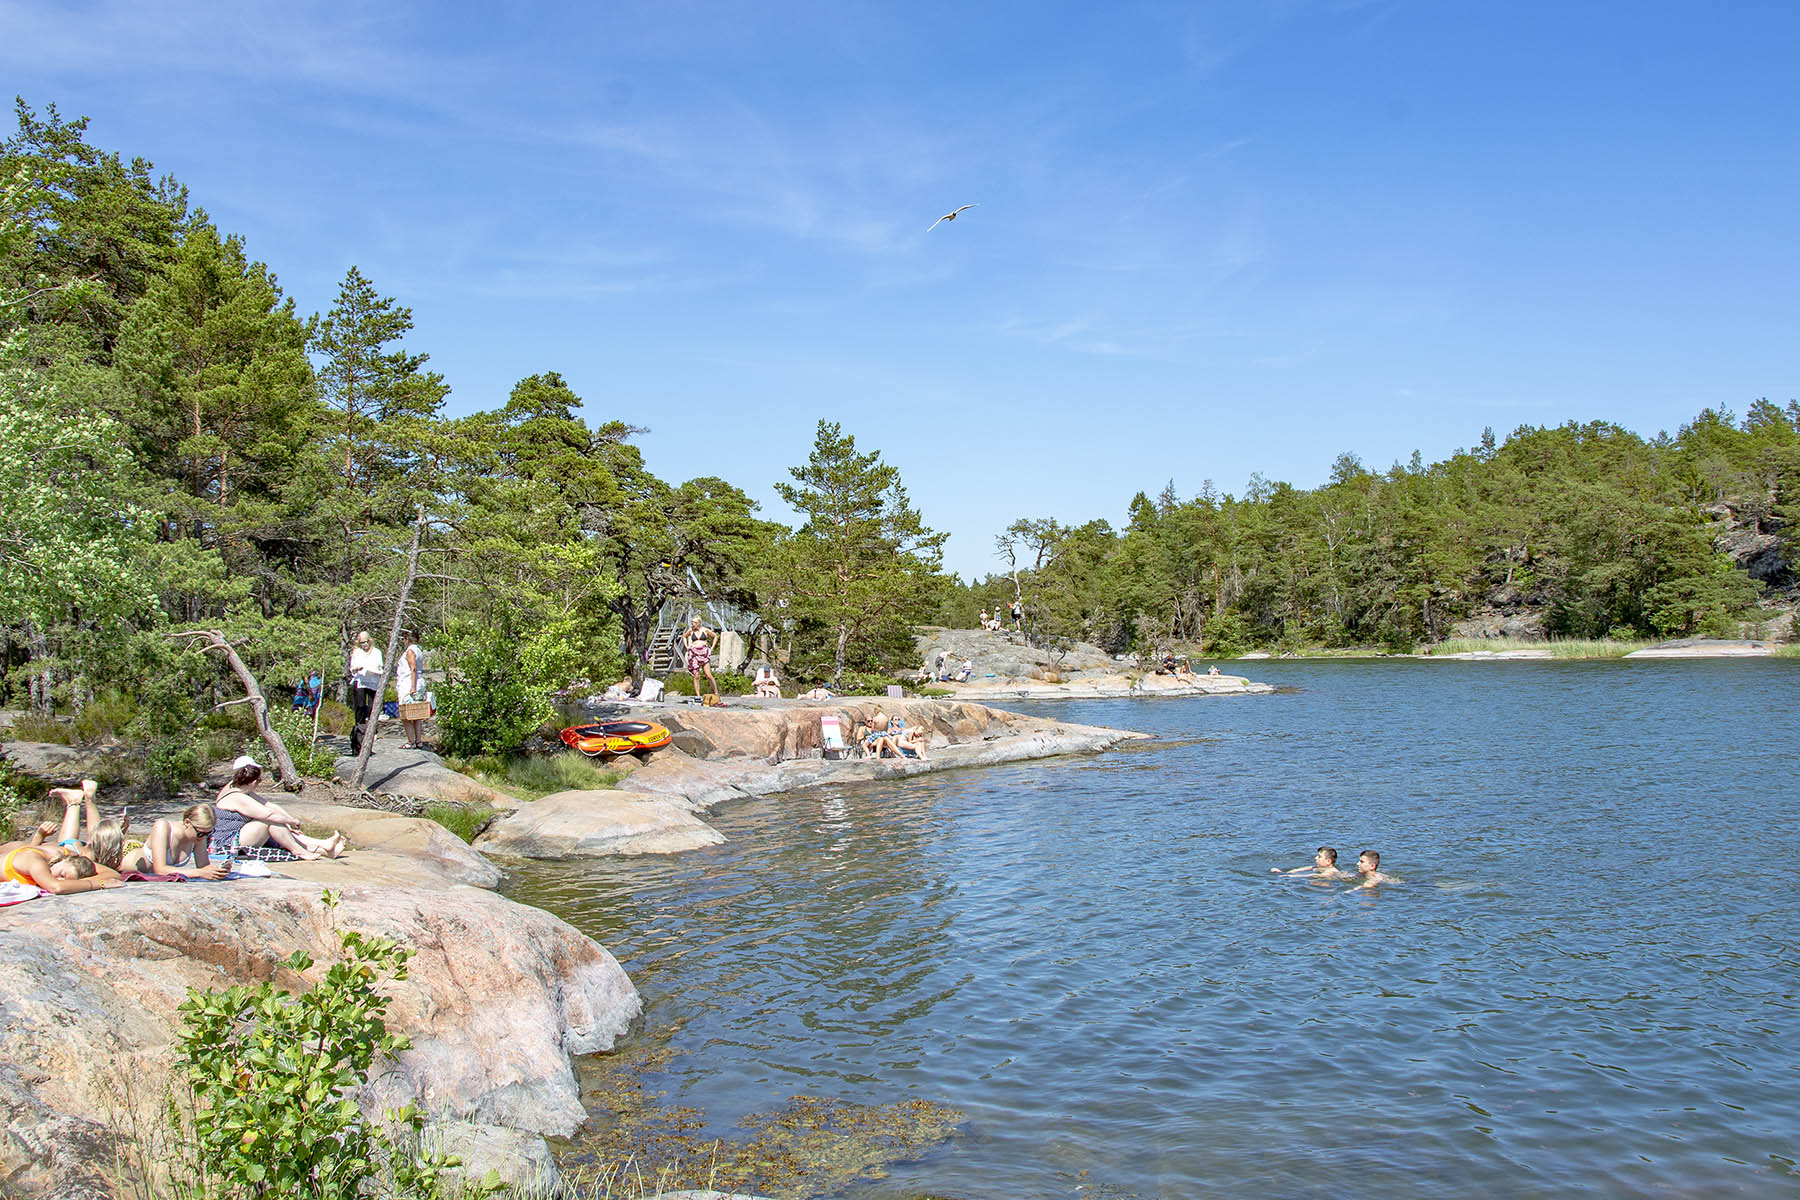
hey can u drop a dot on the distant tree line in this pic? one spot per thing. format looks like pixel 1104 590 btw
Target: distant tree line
pixel 1599 531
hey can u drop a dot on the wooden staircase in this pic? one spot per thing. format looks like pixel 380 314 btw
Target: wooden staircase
pixel 662 651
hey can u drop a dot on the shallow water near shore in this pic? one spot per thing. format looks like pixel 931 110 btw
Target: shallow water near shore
pixel 1587 980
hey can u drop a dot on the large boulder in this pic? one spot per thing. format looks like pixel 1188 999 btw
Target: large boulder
pixel 497 998
pixel 410 851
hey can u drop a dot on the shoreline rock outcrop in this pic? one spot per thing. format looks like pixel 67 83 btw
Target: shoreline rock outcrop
pixel 498 998
pixel 1007 668
pixel 758 748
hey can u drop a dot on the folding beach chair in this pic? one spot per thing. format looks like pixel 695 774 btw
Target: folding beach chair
pixel 831 735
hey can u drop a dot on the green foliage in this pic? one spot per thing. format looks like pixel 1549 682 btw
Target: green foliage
pixel 865 683
pixel 274 1077
pixel 466 821
pixel 1227 635
pixel 174 761
pixel 863 566
pixel 534 776
pixel 295 725
pixel 501 691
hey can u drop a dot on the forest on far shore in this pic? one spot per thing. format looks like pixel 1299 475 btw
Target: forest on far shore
pixel 181 451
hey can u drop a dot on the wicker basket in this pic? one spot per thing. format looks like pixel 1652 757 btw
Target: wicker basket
pixel 415 710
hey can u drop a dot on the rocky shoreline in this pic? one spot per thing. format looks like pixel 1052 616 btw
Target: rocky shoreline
pixel 500 997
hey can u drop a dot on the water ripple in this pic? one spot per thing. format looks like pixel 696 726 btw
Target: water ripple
pixel 1586 981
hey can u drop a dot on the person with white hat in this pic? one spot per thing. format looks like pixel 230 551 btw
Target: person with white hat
pixel 247 826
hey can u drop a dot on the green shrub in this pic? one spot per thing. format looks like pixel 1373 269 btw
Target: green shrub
pixel 41 727
pixel 1226 635
pixel 105 717
pixel 295 726
pixel 531 776
pixel 501 694
pixel 173 762
pixel 274 1078
pixel 335 718
pixel 865 683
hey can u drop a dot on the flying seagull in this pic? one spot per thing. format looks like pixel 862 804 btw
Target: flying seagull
pixel 951 216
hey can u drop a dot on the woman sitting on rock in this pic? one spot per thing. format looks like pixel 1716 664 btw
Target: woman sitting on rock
pixel 911 743
pixel 766 684
pixel 23 863
pixel 250 827
pixel 177 847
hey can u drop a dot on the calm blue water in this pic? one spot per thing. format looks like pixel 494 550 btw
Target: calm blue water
pixel 1588 979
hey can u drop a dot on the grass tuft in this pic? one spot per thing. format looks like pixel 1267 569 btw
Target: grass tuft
pixel 532 777
pixel 1557 647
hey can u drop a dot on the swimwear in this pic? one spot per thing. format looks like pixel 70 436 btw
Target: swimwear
pixel 699 656
pixel 7 871
pixel 228 831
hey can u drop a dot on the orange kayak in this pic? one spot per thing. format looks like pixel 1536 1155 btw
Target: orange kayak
pixel 610 738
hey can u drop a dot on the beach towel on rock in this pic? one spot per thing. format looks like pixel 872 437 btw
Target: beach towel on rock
pixel 17 893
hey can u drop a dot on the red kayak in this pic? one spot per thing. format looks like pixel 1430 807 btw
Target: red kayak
pixel 611 738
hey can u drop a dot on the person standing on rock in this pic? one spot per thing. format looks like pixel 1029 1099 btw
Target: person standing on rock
pixel 700 643
pixel 366 670
pixel 1018 616
pixel 984 619
pixel 411 686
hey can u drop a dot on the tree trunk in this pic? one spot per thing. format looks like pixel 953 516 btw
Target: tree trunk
pixel 393 648
pixel 284 766
pixel 843 651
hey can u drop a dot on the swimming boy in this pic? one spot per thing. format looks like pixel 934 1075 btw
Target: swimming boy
pixel 1368 869
pixel 1324 866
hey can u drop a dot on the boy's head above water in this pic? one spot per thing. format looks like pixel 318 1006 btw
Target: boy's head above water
pixel 1368 860
pixel 1326 857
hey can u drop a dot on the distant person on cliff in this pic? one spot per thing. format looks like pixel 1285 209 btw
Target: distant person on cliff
pixel 965 671
pixel 1213 670
pixel 1018 616
pixel 1324 866
pixel 984 618
pixel 767 685
pixel 366 669
pixel 699 643
pixel 1368 870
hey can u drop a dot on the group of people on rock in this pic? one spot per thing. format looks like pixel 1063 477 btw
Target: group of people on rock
pixel 1324 866
pixel 81 852
pixel 994 624
pixel 367 669
pixel 942 670
pixel 891 737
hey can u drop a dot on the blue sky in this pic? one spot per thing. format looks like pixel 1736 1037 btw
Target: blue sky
pixel 1213 239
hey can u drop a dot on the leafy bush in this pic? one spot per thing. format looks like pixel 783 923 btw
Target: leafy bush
pixel 1227 635
pixel 174 761
pixel 104 717
pixel 295 727
pixel 501 693
pixel 274 1078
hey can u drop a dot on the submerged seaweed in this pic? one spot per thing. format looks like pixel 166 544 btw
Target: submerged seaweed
pixel 807 1147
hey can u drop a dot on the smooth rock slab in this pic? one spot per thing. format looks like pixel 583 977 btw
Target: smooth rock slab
pixel 497 999
pixel 396 771
pixel 585 824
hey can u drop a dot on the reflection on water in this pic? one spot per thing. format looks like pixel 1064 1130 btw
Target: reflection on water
pixel 1586 979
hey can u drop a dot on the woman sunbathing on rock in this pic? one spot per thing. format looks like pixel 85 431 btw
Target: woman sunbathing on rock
pixel 21 862
pixel 250 827
pixel 177 847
